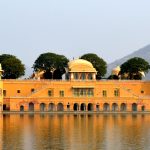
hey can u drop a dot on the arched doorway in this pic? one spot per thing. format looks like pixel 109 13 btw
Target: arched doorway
pixel 60 107
pixel 51 107
pixel 42 107
pixel 143 108
pixel 123 107
pixel 4 107
pixel 68 107
pixel 106 107
pixel 31 106
pixel 21 108
pixel 83 107
pixel 97 107
pixel 114 107
pixel 76 107
pixel 90 107
pixel 134 107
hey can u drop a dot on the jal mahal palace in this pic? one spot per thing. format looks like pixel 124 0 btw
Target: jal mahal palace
pixel 80 93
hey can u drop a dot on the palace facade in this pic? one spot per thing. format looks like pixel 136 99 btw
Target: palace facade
pixel 80 92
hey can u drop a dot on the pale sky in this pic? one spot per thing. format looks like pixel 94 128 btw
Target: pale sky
pixel 110 28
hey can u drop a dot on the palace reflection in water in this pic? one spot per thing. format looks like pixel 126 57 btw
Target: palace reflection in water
pixel 75 131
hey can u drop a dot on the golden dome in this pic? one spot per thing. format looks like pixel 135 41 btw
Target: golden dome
pixel 80 65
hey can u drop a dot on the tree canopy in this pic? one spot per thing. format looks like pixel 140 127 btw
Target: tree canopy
pixel 113 77
pixel 52 63
pixel 12 66
pixel 98 63
pixel 133 68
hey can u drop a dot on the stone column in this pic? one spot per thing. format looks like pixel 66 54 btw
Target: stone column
pixel 94 107
pixel 71 76
pixel 94 76
pixel 139 107
pixel 71 107
pixel 85 108
pixel 129 107
pixel 46 107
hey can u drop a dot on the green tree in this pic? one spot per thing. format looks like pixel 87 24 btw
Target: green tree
pixel 12 66
pixel 98 63
pixel 113 77
pixel 132 68
pixel 52 63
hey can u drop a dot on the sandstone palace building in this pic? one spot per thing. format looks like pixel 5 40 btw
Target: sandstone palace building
pixel 81 92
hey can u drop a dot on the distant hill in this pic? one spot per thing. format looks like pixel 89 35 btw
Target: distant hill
pixel 143 53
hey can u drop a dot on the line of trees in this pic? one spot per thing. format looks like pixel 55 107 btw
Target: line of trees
pixel 54 66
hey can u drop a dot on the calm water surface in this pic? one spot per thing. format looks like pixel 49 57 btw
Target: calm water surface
pixel 75 132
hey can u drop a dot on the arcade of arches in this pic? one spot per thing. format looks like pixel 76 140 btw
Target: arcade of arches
pixel 76 107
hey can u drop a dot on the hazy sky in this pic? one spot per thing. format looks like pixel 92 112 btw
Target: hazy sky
pixel 109 28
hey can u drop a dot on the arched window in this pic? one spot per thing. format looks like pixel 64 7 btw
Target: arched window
pixel 83 77
pixel 51 107
pixel 76 76
pixel 42 107
pixel 134 107
pixel 76 107
pixel 21 108
pixel 31 106
pixel 90 76
pixel 106 107
pixel 60 107
pixel 83 107
pixel 90 107
pixel 123 107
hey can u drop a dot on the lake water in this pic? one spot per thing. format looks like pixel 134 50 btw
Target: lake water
pixel 75 132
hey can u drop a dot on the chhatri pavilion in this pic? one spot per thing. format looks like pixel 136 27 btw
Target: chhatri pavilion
pixel 80 92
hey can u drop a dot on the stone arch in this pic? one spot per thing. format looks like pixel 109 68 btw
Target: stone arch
pixel 106 107
pixel 76 107
pixel 90 77
pixel 114 107
pixel 83 76
pixel 21 108
pixel 31 106
pixel 51 107
pixel 76 75
pixel 123 107
pixel 97 107
pixel 4 107
pixel 83 107
pixel 90 107
pixel 42 107
pixel 60 107
pixel 134 107
pixel 68 106
pixel 142 108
